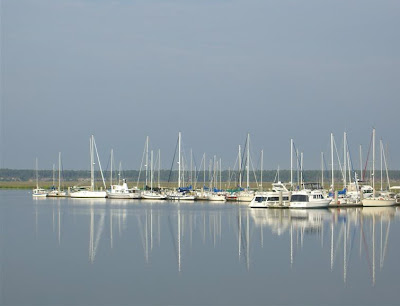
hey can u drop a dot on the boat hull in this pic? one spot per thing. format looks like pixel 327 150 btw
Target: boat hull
pixel 88 194
pixel 311 204
pixel 123 196
pixel 378 202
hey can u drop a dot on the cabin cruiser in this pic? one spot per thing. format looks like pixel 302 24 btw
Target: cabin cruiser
pixel 279 196
pixel 123 192
pixel 309 198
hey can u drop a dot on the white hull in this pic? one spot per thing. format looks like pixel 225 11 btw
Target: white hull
pixel 378 202
pixel 269 204
pixel 216 197
pixel 39 192
pixel 271 199
pixel 245 198
pixel 123 196
pixel 56 193
pixel 312 204
pixel 153 196
pixel 180 197
pixel 88 194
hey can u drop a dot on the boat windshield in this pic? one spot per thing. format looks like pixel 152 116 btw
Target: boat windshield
pixel 299 198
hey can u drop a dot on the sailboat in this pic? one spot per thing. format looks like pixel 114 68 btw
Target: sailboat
pixel 177 195
pixel 58 192
pixel 91 192
pixel 151 194
pixel 382 200
pixel 38 192
pixel 245 195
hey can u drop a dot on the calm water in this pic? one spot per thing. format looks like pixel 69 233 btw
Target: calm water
pixel 116 252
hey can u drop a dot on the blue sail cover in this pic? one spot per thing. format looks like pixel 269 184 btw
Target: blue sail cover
pixel 183 189
pixel 217 190
pixel 340 192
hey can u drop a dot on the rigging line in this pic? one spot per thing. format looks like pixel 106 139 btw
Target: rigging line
pixel 298 163
pixel 351 160
pixel 366 161
pixel 254 172
pixel 337 155
pixel 173 159
pixel 141 164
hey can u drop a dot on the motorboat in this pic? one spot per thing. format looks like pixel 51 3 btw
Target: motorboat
pixel 308 199
pixel 279 196
pixel 123 192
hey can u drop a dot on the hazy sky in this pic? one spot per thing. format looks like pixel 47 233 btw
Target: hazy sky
pixel 213 69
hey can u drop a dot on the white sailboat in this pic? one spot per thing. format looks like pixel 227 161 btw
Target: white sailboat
pixel 151 194
pixel 38 192
pixel 91 192
pixel 176 195
pixel 58 192
pixel 382 200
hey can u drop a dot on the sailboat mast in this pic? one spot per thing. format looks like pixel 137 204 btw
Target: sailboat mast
pixel 291 163
pixel 344 159
pixel 179 159
pixel 159 166
pixel 54 175
pixel 361 169
pixel 240 169
pixel 151 171
pixel 322 169
pixel 333 173
pixel 147 157
pixel 91 164
pixel 37 175
pixel 59 171
pixel 248 162
pixel 204 170
pixel 381 147
pixel 220 173
pixel 373 161
pixel 261 170
pixel 111 168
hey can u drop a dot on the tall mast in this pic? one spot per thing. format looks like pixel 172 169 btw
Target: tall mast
pixel 59 171
pixel 191 166
pixel 291 163
pixel 220 173
pixel 91 164
pixel 111 168
pixel 151 171
pixel 147 157
pixel 159 167
pixel 204 171
pixel 373 160
pixel 261 171
pixel 37 175
pixel 381 147
pixel 240 169
pixel 248 163
pixel 322 169
pixel 333 173
pixel 361 169
pixel 179 159
pixel 54 175
pixel 301 170
pixel 344 159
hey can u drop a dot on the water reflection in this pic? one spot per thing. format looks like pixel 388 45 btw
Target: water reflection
pixel 185 226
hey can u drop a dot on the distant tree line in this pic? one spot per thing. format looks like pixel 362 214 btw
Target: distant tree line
pixel 187 177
